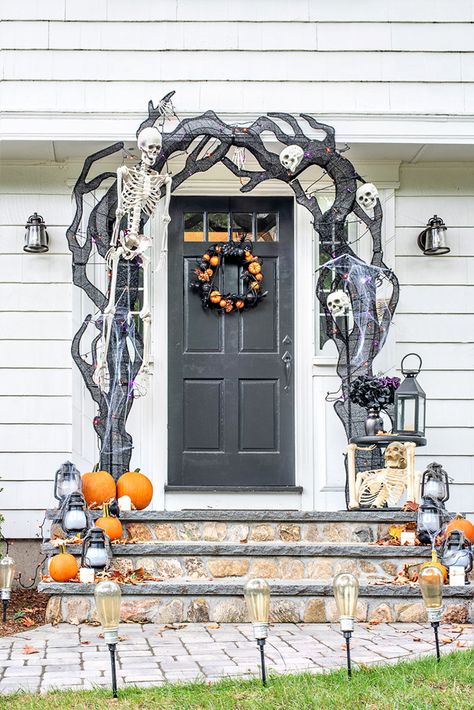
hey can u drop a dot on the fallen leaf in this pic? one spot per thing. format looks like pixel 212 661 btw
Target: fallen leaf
pixel 28 650
pixel 374 622
pixel 446 639
pixel 27 621
pixel 416 638
pixel 123 638
pixel 85 643
pixel 174 627
pixel 213 626
pixel 461 644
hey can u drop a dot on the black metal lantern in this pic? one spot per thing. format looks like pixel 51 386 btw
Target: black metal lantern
pixel 456 552
pixel 36 236
pixel 431 520
pixel 67 480
pixel 96 552
pixel 74 517
pixel 410 403
pixel 435 483
pixel 432 240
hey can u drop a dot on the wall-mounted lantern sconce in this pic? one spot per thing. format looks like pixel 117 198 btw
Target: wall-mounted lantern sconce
pixel 432 240
pixel 36 236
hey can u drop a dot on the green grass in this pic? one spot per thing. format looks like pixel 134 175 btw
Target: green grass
pixel 406 686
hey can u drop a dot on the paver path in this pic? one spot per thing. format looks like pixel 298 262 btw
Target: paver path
pixel 76 657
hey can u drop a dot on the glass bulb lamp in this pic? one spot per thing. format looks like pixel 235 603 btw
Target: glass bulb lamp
pixel 346 594
pixel 66 481
pixel 107 601
pixel 431 582
pixel 257 596
pixel 7 572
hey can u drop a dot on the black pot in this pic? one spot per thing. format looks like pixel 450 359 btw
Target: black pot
pixel 373 422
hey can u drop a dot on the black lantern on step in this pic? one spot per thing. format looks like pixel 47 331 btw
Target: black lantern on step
pixel 96 552
pixel 66 481
pixel 431 520
pixel 432 240
pixel 410 403
pixel 36 236
pixel 456 552
pixel 435 483
pixel 74 515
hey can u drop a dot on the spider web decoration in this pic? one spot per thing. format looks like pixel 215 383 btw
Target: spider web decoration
pixel 206 140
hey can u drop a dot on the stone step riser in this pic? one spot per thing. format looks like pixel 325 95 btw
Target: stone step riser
pixel 77 609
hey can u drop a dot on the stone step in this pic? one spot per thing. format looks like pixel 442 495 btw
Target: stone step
pixel 236 526
pixel 217 601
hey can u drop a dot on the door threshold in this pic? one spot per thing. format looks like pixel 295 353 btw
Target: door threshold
pixel 233 489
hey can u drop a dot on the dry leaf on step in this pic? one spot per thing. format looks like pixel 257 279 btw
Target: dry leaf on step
pixel 28 650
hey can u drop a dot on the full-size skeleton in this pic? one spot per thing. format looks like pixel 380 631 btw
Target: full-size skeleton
pixel 375 489
pixel 138 191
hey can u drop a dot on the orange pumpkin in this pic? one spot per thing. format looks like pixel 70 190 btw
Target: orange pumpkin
pixel 63 566
pixel 222 303
pixel 255 267
pixel 137 486
pixel 206 257
pixel 209 272
pixel 259 277
pixel 110 524
pixel 98 487
pixel 239 304
pixel 214 260
pixel 215 297
pixel 460 523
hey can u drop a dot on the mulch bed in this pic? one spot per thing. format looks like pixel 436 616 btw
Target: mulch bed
pixel 27 609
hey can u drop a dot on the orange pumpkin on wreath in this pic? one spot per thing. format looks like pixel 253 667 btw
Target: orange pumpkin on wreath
pixel 251 274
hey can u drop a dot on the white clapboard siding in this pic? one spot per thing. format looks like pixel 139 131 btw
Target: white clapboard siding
pixel 23 523
pixel 35 437
pixel 26 466
pixel 37 268
pixel 12 238
pixel 39 493
pixel 439 356
pixel 442 299
pixel 25 297
pixel 440 412
pixel 435 327
pixel 433 270
pixel 459 239
pixel 35 410
pixel 49 354
pixel 21 325
pixel 41 381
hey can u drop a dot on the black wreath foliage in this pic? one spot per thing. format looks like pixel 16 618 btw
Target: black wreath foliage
pixel 206 140
pixel 208 269
pixel 373 392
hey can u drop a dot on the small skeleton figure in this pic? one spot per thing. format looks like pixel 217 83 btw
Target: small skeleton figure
pixel 138 190
pixel 375 489
pixel 339 303
pixel 367 196
pixel 291 157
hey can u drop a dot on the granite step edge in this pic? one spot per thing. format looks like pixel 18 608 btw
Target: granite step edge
pixel 188 587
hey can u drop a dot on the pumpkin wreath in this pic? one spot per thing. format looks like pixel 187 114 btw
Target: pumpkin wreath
pixel 207 270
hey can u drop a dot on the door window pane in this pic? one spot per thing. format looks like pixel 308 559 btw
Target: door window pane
pixel 218 227
pixel 194 227
pixel 267 227
pixel 242 226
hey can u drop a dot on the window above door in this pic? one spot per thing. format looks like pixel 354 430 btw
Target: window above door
pixel 227 226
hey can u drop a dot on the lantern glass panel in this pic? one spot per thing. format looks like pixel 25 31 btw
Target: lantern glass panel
pixel 257 596
pixel 7 572
pixel 406 414
pixel 96 557
pixel 431 584
pixel 75 520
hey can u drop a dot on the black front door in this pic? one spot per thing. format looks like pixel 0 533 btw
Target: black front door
pixel 231 377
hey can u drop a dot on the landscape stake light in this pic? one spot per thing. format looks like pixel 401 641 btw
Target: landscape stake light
pixel 346 593
pixel 107 600
pixel 7 572
pixel 257 596
pixel 431 585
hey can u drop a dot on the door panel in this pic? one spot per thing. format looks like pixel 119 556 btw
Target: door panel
pixel 231 400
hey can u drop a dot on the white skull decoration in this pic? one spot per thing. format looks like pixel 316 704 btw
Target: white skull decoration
pixel 366 196
pixel 339 303
pixel 149 141
pixel 291 157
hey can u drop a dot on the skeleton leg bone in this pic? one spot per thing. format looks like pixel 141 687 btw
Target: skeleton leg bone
pixel 410 454
pixel 145 315
pixel 101 374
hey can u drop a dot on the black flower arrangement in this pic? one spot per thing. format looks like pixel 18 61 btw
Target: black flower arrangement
pixel 373 392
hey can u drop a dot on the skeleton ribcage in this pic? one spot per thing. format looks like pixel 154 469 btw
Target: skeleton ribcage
pixel 382 486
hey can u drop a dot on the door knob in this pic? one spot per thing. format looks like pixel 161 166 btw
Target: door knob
pixel 287 358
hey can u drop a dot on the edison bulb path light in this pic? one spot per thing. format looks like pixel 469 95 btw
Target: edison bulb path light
pixel 346 594
pixel 257 596
pixel 431 581
pixel 107 600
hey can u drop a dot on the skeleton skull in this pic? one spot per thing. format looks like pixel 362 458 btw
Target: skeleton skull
pixel 339 303
pixel 291 157
pixel 366 196
pixel 149 141
pixel 395 456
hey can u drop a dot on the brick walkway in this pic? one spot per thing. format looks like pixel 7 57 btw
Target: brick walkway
pixel 75 657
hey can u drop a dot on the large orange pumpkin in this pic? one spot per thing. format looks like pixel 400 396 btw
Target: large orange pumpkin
pixel 137 486
pixel 98 487
pixel 63 566
pixel 110 524
pixel 460 523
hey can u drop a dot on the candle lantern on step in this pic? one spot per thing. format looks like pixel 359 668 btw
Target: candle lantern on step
pixel 66 481
pixel 96 550
pixel 456 552
pixel 435 483
pixel 430 521
pixel 74 516
pixel 346 594
pixel 431 582
pixel 107 600
pixel 257 596
pixel 7 572
pixel 410 402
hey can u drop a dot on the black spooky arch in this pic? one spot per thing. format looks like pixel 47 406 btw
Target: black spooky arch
pixel 207 140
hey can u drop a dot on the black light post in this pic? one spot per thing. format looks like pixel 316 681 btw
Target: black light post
pixel 257 596
pixel 107 600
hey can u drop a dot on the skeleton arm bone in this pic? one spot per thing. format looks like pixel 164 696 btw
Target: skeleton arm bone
pixel 122 176
pixel 166 210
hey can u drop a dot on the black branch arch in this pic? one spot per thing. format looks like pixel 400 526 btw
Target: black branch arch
pixel 209 131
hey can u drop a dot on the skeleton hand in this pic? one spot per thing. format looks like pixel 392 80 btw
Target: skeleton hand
pixel 166 219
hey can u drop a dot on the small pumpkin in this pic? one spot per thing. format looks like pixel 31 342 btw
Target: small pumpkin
pixel 248 256
pixel 435 563
pixel 259 277
pixel 255 267
pixel 460 523
pixel 137 486
pixel 98 487
pixel 214 260
pixel 206 257
pixel 215 297
pixel 110 524
pixel 209 272
pixel 63 566
pixel 222 303
pixel 239 304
